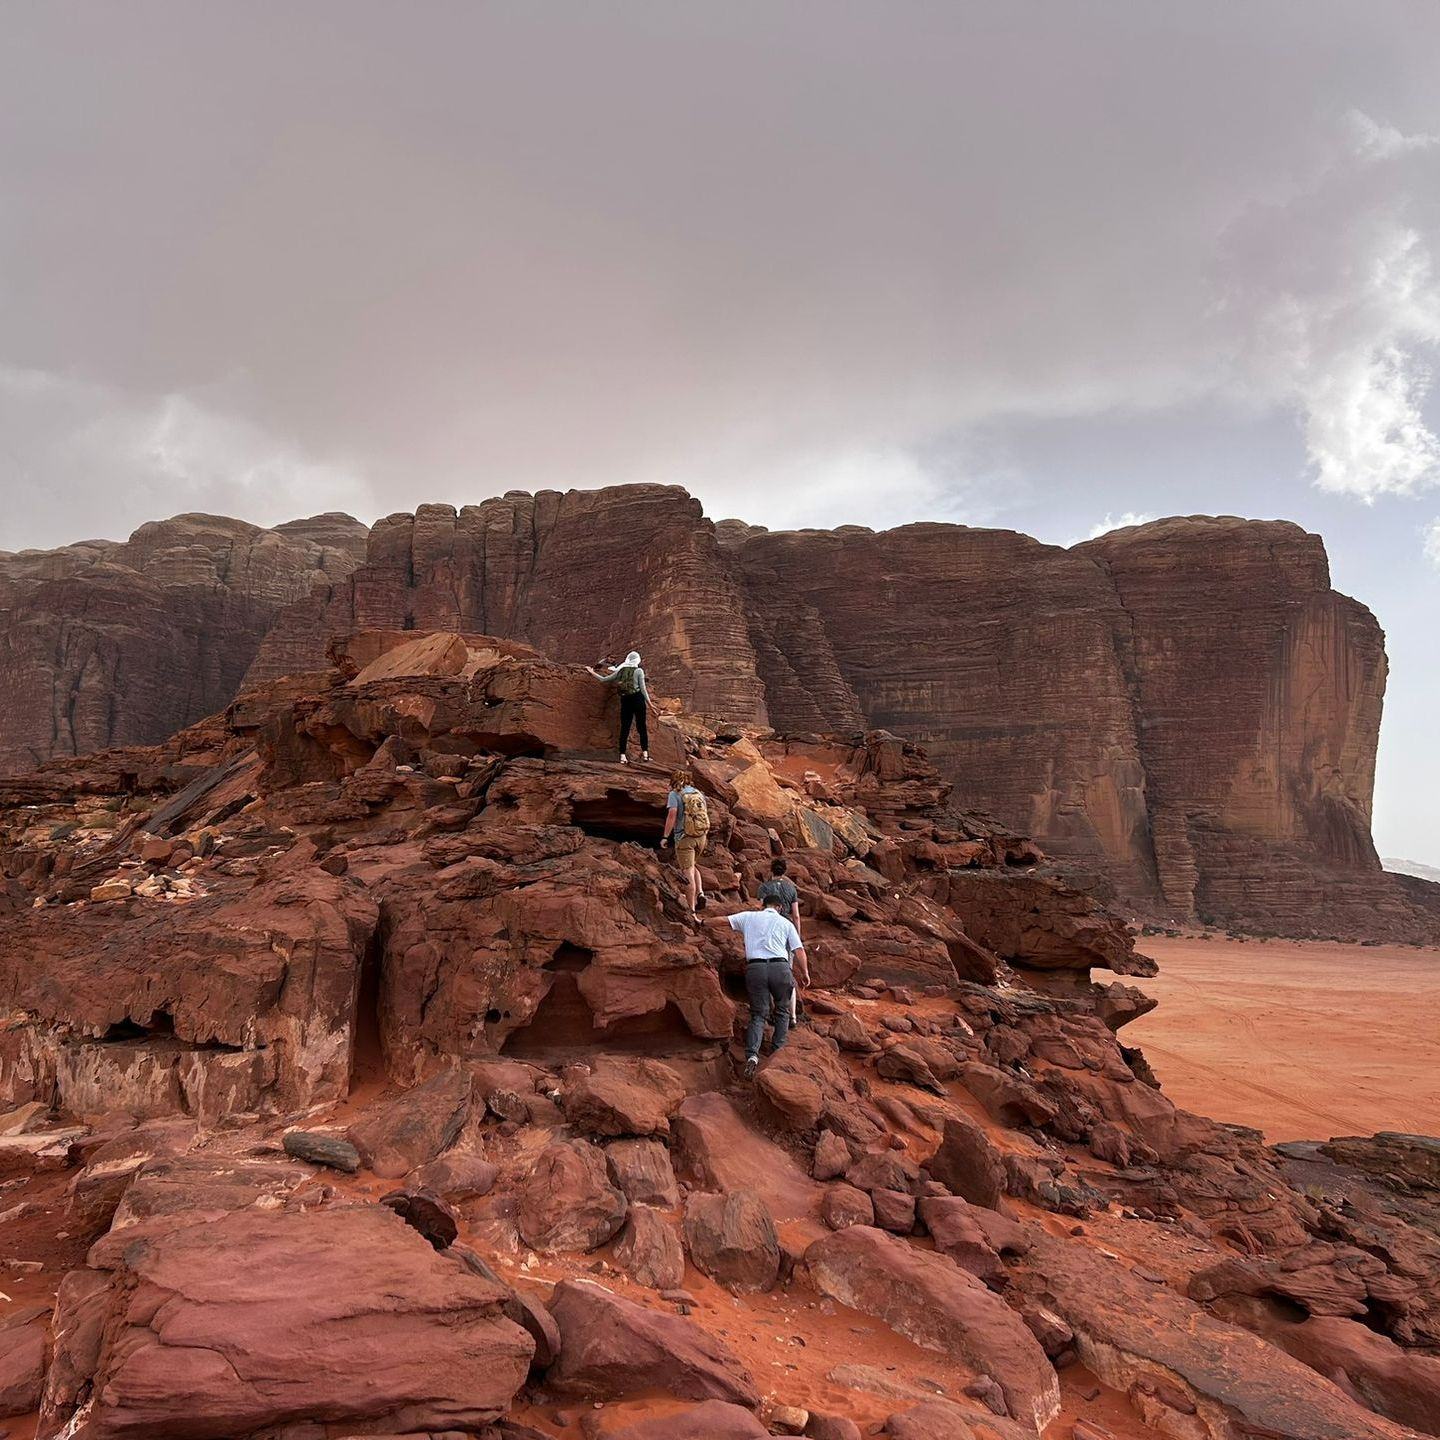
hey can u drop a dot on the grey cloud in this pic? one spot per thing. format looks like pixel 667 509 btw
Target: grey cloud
pixel 801 251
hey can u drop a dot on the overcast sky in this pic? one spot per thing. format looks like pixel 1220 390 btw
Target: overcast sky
pixel 1047 266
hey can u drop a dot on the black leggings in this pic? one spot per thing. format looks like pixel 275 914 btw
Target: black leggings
pixel 632 712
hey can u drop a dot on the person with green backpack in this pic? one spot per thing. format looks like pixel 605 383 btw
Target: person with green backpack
pixel 687 822
pixel 629 680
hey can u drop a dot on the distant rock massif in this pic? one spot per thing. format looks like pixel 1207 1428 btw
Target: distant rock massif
pixel 1186 706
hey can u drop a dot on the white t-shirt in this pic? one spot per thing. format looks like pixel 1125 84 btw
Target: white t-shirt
pixel 768 934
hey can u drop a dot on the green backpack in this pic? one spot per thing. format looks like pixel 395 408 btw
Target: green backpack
pixel 629 681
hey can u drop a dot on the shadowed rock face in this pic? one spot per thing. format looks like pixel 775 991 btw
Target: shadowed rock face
pixel 1185 705
pixel 123 644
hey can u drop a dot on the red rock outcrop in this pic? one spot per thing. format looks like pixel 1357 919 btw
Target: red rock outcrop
pixel 580 575
pixel 398 920
pixel 1186 705
pixel 124 643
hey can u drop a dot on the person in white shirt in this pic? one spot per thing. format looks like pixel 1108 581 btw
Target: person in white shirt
pixel 774 960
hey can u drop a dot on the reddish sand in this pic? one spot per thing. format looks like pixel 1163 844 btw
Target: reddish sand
pixel 1301 1039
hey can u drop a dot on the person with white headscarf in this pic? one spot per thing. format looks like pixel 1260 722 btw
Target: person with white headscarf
pixel 629 680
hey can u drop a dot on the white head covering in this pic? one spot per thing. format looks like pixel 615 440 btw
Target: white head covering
pixel 633 658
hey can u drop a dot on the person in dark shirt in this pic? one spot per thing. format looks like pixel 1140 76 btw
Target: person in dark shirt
pixel 787 897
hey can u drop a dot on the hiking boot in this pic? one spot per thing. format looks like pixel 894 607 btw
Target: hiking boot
pixel 645 756
pixel 752 1064
pixel 624 759
pixel 700 902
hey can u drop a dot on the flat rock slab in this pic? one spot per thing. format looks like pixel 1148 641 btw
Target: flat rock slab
pixel 611 1347
pixel 267 1319
pixel 929 1299
pixel 1128 1330
pixel 719 1148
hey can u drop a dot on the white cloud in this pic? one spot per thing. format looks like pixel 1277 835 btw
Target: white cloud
pixel 1335 294
pixel 1118 522
pixel 88 460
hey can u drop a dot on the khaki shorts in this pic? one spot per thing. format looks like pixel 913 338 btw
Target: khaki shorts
pixel 688 848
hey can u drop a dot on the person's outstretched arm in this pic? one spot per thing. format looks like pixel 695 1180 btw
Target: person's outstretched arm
pixel 801 964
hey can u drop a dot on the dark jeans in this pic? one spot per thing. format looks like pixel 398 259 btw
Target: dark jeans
pixel 632 712
pixel 769 984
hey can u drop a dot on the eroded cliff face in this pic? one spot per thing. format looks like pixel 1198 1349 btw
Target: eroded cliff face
pixel 1260 691
pixel 1004 657
pixel 580 575
pixel 1186 705
pixel 124 643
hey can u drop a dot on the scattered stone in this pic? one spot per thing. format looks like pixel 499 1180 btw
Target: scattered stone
pixel 732 1239
pixel 649 1251
pixel 611 1347
pixel 567 1201
pixel 642 1170
pixel 320 1147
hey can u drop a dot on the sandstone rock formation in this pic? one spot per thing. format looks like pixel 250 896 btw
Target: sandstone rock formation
pixel 124 643
pixel 388 1091
pixel 1185 705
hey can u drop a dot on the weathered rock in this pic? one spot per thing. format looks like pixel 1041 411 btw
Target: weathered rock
pixel 567 1201
pixel 22 1368
pixel 713 1420
pixel 721 1152
pixel 954 1224
pixel 649 1251
pixel 624 1097
pixel 932 1301
pixel 457 1175
pixel 93 1195
pixel 642 1171
pixel 611 1347
pixel 845 1205
pixel 732 1239
pixel 966 1164
pixel 944 1420
pixel 1126 1328
pixel 415 1127
pixel 321 1148
pixel 894 1210
pixel 260 1320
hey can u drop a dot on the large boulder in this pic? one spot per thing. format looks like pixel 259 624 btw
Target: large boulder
pixel 611 1347
pixel 732 1239
pixel 932 1301
pixel 567 1201
pixel 412 1129
pixel 254 1321
pixel 624 1097
pixel 718 1150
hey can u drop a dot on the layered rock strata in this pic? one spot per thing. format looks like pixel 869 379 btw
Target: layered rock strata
pixel 1186 705
pixel 117 644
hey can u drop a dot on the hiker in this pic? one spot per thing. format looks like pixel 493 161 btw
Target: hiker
pixel 629 680
pixel 789 896
pixel 772 946
pixel 687 823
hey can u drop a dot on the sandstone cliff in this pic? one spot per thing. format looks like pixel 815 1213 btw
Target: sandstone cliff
pixel 1187 705
pixel 123 643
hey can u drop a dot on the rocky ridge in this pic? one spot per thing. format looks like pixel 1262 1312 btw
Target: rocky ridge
pixel 1185 706
pixel 364 1073
pixel 105 643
